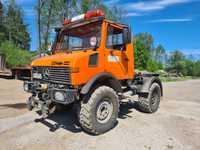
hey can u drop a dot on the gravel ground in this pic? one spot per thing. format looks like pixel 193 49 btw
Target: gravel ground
pixel 176 126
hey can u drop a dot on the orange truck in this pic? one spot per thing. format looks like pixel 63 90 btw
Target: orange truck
pixel 91 67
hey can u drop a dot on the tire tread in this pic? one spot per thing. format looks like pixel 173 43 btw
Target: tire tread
pixel 144 104
pixel 85 117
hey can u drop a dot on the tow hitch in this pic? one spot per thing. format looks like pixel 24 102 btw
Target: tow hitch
pixel 46 107
pixel 45 97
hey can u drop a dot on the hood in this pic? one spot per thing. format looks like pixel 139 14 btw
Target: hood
pixel 59 59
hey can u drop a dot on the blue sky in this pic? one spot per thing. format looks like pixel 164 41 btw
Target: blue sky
pixel 173 23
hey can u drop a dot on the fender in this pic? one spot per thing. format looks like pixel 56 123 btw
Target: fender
pixel 106 79
pixel 147 82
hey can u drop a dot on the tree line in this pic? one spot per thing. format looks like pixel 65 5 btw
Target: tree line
pixel 151 58
pixel 14 36
pixel 12 26
pixel 180 64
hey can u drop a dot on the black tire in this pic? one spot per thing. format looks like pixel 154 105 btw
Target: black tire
pixel 95 119
pixel 150 104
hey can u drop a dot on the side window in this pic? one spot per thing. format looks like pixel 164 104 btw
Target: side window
pixel 115 38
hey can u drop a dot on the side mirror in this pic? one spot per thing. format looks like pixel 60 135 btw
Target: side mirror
pixel 94 42
pixel 127 35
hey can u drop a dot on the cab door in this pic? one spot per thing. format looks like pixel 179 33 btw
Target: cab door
pixel 116 60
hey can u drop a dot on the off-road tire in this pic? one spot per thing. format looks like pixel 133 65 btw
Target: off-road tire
pixel 88 110
pixel 146 102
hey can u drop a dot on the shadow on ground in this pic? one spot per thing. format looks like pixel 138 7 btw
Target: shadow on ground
pixel 67 119
pixel 6 77
pixel 15 106
pixel 126 108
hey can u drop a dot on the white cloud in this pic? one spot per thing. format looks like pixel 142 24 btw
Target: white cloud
pixel 154 5
pixel 170 20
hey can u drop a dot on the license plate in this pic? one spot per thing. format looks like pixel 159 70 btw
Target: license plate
pixel 37 75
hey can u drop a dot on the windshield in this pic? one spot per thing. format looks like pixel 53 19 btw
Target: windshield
pixel 79 38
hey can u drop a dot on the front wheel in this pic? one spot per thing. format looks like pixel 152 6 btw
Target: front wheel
pixel 99 114
pixel 150 104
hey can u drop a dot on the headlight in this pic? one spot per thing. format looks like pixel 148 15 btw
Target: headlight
pixel 59 96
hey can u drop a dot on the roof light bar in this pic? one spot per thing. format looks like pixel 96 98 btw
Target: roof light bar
pixel 66 22
pixel 94 13
pixel 88 15
pixel 79 17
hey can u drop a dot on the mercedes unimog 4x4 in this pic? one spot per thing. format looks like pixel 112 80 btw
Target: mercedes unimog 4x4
pixel 91 66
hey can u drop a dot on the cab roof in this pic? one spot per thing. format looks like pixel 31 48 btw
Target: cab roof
pixel 83 22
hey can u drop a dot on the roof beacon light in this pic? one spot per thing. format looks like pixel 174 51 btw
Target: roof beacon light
pixel 66 22
pixel 88 15
pixel 94 13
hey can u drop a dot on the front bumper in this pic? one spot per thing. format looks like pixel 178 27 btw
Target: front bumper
pixel 68 95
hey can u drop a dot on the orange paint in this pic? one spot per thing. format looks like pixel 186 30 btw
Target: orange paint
pixel 78 60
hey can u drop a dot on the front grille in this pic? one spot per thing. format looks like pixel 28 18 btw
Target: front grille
pixel 59 75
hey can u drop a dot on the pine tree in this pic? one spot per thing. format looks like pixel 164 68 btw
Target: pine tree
pixel 17 30
pixel 2 27
pixel 1 13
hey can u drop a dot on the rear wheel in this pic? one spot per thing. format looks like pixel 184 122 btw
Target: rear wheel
pixel 150 103
pixel 99 114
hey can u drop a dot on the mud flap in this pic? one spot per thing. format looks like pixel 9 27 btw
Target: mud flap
pixel 143 89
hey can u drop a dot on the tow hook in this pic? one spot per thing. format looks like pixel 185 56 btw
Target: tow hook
pixel 44 110
pixel 29 103
pixel 46 107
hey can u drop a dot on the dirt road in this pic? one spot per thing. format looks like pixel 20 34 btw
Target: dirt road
pixel 176 126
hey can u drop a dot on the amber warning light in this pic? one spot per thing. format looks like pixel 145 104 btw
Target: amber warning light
pixel 88 15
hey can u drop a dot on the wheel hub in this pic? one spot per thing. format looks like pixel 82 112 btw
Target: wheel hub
pixel 104 111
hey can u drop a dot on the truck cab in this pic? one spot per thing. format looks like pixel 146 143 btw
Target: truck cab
pixel 91 64
pixel 89 47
